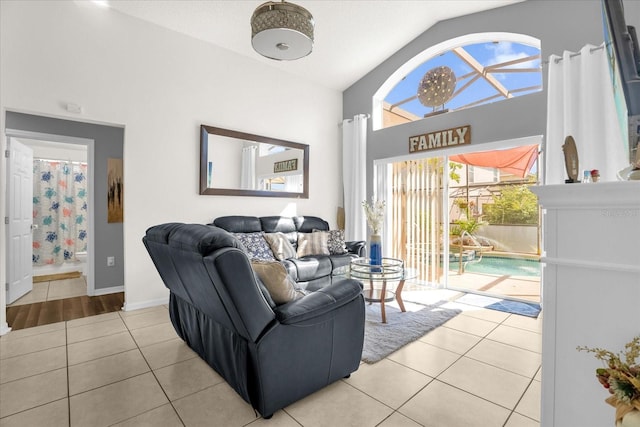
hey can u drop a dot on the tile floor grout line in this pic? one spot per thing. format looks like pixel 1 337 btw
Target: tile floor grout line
pixel 437 378
pixel 393 410
pixel 521 397
pixel 66 345
pixel 34 407
pixel 152 372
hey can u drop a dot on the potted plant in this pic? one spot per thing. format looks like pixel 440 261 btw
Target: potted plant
pixel 621 376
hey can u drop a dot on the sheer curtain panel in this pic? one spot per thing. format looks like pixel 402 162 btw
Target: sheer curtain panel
pixel 580 103
pixel 354 171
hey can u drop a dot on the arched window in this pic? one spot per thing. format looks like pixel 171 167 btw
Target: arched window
pixel 464 72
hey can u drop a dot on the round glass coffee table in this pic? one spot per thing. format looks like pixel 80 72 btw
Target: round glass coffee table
pixel 379 276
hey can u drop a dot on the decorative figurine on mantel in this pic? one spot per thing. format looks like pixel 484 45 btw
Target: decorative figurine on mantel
pixel 570 159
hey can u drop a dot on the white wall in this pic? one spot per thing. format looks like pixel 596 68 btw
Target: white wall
pixel 161 86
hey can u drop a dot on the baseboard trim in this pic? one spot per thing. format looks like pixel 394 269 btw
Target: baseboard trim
pixel 4 328
pixel 145 304
pixel 105 291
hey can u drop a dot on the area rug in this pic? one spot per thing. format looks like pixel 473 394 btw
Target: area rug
pixel 530 309
pixel 382 339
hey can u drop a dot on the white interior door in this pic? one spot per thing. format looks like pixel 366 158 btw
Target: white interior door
pixel 20 220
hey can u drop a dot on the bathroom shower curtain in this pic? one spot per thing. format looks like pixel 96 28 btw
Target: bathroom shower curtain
pixel 59 211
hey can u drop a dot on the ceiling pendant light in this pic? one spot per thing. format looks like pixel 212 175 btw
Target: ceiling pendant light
pixel 282 31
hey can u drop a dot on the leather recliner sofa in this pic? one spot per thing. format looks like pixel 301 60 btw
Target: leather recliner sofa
pixel 311 272
pixel 271 355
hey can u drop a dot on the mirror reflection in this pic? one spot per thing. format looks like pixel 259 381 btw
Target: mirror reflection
pixel 242 164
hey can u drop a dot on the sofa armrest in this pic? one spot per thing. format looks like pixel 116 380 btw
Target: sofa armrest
pixel 319 302
pixel 356 247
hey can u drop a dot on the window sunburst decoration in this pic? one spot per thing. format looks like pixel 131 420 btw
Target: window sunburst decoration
pixel 437 86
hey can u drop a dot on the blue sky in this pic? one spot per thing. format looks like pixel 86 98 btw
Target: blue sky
pixel 486 54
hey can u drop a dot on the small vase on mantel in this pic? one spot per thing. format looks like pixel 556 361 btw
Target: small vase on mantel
pixel 375 249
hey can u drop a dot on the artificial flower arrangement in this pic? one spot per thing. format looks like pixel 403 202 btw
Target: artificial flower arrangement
pixel 375 214
pixel 621 377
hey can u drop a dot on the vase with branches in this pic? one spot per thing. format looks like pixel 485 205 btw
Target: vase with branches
pixel 374 213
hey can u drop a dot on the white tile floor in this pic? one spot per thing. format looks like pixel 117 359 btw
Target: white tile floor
pixel 54 290
pixel 482 368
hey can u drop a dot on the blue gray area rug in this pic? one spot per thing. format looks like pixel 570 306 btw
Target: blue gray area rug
pixel 382 339
pixel 530 309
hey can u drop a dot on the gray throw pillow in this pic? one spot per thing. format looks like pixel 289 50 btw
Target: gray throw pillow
pixel 280 246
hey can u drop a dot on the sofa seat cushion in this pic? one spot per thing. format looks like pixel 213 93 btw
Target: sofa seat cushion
pixel 311 267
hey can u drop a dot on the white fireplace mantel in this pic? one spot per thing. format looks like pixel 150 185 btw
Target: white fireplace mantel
pixel 590 294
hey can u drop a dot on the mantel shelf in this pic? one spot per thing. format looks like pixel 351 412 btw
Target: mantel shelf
pixel 609 194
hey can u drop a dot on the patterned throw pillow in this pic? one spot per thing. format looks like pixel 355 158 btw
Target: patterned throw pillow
pixel 313 243
pixel 280 245
pixel 336 242
pixel 280 285
pixel 257 247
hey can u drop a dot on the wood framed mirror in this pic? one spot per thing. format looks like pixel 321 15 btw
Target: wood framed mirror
pixel 236 163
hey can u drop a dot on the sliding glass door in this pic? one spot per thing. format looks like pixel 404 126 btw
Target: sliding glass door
pixel 466 227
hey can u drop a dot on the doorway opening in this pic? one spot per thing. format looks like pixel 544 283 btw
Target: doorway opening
pixel 59 206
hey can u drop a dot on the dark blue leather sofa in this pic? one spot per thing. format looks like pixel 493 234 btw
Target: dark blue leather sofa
pixel 271 355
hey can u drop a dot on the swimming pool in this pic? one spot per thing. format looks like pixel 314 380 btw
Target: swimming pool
pixel 501 266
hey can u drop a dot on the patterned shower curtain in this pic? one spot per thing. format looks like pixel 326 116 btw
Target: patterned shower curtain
pixel 59 211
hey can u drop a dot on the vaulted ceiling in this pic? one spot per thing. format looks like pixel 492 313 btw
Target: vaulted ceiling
pixel 351 36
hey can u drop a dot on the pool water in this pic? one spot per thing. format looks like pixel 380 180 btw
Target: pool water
pixel 501 266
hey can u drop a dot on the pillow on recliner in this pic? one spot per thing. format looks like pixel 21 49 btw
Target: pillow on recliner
pixel 280 285
pixel 313 243
pixel 280 245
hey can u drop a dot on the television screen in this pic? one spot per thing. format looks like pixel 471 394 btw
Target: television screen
pixel 624 59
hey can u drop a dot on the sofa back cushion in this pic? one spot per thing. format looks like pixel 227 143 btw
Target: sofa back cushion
pixel 273 224
pixel 280 224
pixel 306 224
pixel 239 224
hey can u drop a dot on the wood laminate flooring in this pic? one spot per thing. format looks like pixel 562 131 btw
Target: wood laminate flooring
pixel 58 276
pixel 43 313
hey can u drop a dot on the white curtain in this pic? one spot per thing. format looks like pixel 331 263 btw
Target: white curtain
pixel 293 183
pixel 354 171
pixel 580 103
pixel 248 173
